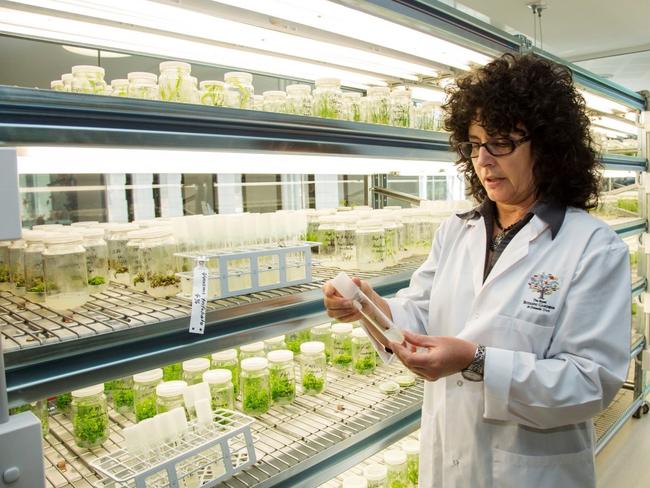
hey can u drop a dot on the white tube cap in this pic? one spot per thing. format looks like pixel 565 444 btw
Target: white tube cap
pixel 344 285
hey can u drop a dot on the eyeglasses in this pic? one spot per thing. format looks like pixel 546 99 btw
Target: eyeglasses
pixel 501 147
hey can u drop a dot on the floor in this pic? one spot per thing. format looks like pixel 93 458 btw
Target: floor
pixel 625 461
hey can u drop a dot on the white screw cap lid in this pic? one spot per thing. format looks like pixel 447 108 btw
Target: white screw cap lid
pixel 148 376
pixel 170 388
pixel 394 457
pixel 253 347
pixel 174 65
pixel 218 376
pixel 275 340
pixel 254 364
pixel 342 328
pixel 359 333
pixel 322 328
pixel 227 355
pixel 280 356
pixel 314 347
pixel 411 446
pixel 195 365
pixel 88 391
pixel 355 481
pixel 375 472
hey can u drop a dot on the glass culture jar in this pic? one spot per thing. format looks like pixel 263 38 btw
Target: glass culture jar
pixel 196 94
pixel 341 345
pixel 379 105
pixel 5 268
pixel 49 227
pixel 282 376
pixel 144 90
pixel 392 233
pixel 240 88
pixel 400 108
pixel 253 350
pixel 395 461
pixel 88 79
pixel 169 395
pixel 174 82
pixel 313 367
pixel 412 449
pixel 89 416
pixel 122 394
pixel 364 107
pixel 352 106
pixel 66 277
pixel 345 242
pixel 96 258
pixel 40 410
pixel 137 269
pixel 34 274
pixel 17 266
pixel 228 360
pixel 172 372
pixel 323 333
pixel 258 102
pixel 255 387
pixel 328 98
pixel 144 393
pixel 376 475
pixel 326 235
pixel 363 353
pixel 67 81
pixel 141 77
pixel 429 116
pixel 294 339
pixel 371 245
pixel 57 85
pixel 120 87
pixel 274 344
pixel 193 370
pixel 213 93
pixel 275 101
pixel 299 100
pixel 116 240
pixel 108 90
pixel 221 388
pixel 157 256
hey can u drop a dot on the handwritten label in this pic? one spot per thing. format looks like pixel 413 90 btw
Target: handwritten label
pixel 199 297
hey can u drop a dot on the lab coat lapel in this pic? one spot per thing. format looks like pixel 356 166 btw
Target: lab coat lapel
pixel 476 242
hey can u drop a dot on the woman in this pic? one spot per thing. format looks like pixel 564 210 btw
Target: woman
pixel 521 312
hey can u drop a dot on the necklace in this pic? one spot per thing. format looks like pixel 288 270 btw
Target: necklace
pixel 496 240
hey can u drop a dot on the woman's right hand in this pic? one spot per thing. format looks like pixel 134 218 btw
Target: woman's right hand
pixel 342 309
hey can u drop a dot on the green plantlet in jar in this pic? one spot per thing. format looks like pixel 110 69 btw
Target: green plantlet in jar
pixel 96 281
pixel 172 372
pixel 282 387
pixel 412 469
pixel 396 480
pixel 38 286
pixel 138 278
pixel 63 402
pixel 4 273
pixel 312 382
pixel 123 398
pixel 158 279
pixel 90 425
pixel 121 268
pixel 19 280
pixel 255 397
pixel 343 360
pixel 365 365
pixel 17 410
pixel 145 408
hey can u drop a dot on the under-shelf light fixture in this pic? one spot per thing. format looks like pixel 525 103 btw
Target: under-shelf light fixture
pixel 616 124
pixel 602 104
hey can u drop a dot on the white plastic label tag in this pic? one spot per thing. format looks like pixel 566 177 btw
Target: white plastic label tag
pixel 199 297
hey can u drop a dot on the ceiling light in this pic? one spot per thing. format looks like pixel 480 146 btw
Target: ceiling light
pixel 93 53
pixel 428 94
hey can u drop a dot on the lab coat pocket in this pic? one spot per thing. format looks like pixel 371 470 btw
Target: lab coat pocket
pixel 572 470
pixel 520 335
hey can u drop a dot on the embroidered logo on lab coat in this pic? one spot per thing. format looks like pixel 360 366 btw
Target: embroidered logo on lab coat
pixel 542 285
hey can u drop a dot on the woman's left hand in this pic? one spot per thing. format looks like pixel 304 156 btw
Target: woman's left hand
pixel 443 356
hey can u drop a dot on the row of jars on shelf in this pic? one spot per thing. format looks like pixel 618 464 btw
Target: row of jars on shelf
pixel 261 375
pixel 175 84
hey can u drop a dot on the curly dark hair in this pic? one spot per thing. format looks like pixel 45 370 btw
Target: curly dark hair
pixel 529 91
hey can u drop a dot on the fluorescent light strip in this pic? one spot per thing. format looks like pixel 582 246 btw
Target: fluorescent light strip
pixel 48 160
pixel 616 124
pixel 612 134
pixel 617 173
pixel 602 104
pixel 428 94
pixel 148 14
pixel 122 39
pixel 338 19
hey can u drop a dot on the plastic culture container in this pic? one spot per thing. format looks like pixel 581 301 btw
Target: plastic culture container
pixel 371 245
pixel 326 235
pixel 17 266
pixel 89 416
pixel 364 359
pixel 172 372
pixel 145 90
pixel 428 116
pixel 275 101
pixel 175 82
pixel 400 108
pixel 67 81
pixel 169 395
pixel 341 345
pixel 354 481
pixel 116 239
pixel 193 370
pixel 255 387
pixel 221 388
pixel 376 475
pixel 120 87
pixel 393 232
pixel 5 268
pixel 323 333
pixel 66 276
pixel 57 85
pixel 275 343
pixel 294 339
pixel 253 350
pixel 282 376
pixel 144 393
pixel 299 99
pixel 412 449
pixel 313 367
pixel 88 79
pixel 240 88
pixel 96 259
pixel 157 256
pixel 345 245
pixel 258 101
pixel 142 76
pixel 352 106
pixel 228 360
pixel 137 269
pixel 395 460
pixel 328 98
pixel 379 105
pixel 122 394
pixel 34 273
pixel 213 93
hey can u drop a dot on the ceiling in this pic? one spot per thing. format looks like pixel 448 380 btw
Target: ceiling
pixel 610 38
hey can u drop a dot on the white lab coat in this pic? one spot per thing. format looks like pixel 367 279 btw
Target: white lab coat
pixel 551 363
